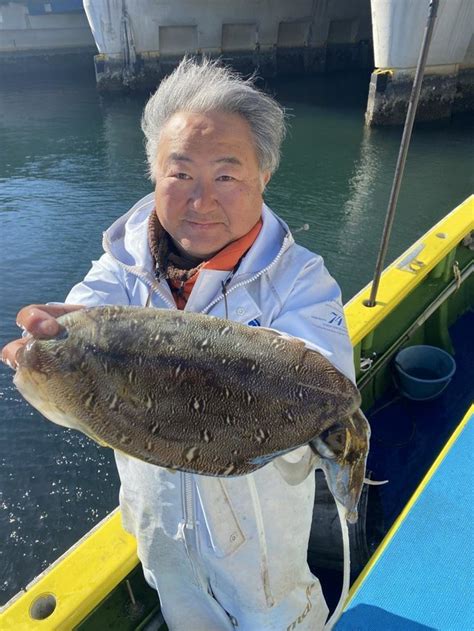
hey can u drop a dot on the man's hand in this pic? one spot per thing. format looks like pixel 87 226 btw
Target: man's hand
pixel 39 321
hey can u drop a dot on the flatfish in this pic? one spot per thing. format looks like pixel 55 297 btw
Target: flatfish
pixel 197 393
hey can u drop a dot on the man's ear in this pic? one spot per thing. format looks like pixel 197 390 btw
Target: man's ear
pixel 266 175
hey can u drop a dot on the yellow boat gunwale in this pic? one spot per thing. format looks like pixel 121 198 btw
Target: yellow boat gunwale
pixel 397 283
pixel 79 580
pixel 86 573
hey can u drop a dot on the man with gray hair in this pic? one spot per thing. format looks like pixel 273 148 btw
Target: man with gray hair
pixel 223 553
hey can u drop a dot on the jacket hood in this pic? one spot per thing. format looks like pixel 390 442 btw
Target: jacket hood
pixel 127 240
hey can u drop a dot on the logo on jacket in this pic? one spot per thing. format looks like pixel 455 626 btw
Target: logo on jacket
pixel 331 319
pixel 336 318
pixel 253 323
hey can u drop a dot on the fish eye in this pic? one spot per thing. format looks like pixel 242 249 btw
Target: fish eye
pixel 322 448
pixel 332 442
pixel 337 440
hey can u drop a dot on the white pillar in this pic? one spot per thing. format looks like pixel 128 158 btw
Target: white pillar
pixel 398 27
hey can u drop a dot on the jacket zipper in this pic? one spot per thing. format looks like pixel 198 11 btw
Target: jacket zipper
pixel 249 280
pixel 153 285
pixel 188 529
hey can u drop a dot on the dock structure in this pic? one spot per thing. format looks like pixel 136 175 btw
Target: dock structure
pixel 36 34
pixel 140 40
pixel 448 84
pixel 137 42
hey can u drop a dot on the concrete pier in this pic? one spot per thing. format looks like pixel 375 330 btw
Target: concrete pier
pixel 140 40
pixel 36 35
pixel 448 85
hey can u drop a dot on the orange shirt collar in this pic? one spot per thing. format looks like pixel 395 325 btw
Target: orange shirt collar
pixel 225 260
pixel 229 256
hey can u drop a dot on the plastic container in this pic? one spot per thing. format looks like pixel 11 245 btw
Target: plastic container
pixel 423 372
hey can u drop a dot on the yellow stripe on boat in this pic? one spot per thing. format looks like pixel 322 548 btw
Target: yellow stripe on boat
pixel 78 581
pixel 401 518
pixel 420 260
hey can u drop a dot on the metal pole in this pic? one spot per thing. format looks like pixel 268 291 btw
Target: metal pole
pixel 402 155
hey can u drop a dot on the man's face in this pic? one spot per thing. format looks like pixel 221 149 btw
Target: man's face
pixel 208 184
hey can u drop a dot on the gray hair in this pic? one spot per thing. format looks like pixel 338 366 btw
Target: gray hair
pixel 207 86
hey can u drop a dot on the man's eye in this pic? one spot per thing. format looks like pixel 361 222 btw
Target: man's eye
pixel 181 176
pixel 225 178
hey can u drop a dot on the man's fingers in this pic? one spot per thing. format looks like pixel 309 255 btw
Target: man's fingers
pixel 40 320
pixel 10 350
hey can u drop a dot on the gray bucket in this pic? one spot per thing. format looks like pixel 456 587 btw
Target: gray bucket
pixel 423 372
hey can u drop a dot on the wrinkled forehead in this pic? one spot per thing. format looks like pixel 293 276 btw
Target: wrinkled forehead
pixel 218 134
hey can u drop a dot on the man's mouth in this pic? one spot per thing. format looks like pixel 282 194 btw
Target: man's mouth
pixel 203 225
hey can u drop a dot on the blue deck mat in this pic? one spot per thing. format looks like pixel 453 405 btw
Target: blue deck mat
pixel 424 578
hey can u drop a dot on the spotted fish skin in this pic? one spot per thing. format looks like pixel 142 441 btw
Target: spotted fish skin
pixel 183 390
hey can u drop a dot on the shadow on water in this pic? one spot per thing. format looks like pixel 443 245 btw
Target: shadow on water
pixel 370 618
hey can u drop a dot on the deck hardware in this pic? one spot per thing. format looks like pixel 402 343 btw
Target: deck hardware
pixel 468 240
pixel 402 155
pixel 366 363
pixel 416 265
pixel 43 606
pixel 422 318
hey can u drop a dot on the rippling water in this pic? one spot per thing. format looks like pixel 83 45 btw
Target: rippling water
pixel 72 161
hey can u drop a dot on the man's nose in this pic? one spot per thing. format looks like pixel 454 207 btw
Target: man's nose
pixel 202 197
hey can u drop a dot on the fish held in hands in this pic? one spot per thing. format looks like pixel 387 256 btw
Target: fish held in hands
pixel 196 393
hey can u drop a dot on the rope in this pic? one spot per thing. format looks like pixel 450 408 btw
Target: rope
pixel 346 575
pixel 457 275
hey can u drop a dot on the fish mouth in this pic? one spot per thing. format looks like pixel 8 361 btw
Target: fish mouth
pixel 345 483
pixel 342 451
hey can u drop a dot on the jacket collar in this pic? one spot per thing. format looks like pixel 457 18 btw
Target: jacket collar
pixel 126 240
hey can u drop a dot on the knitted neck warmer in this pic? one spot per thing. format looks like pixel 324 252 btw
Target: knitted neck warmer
pixel 169 262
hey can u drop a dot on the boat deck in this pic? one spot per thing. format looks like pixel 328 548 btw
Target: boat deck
pixel 407 436
pixel 421 576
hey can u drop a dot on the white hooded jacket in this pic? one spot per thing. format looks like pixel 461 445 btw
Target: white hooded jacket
pixel 226 552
